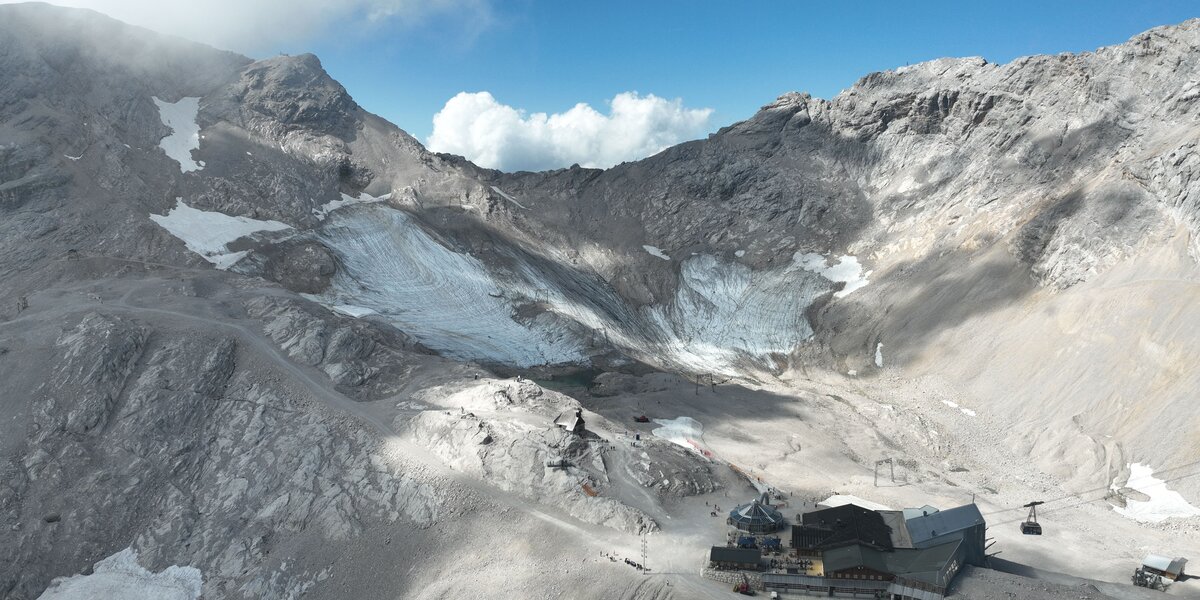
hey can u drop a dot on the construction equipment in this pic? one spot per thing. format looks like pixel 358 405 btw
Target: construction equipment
pixel 1031 525
pixel 744 588
pixel 642 419
pixel 1148 579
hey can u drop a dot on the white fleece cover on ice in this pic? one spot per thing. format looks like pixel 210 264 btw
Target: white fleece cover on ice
pixel 679 430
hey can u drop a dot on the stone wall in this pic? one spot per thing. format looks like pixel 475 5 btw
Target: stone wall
pixel 732 577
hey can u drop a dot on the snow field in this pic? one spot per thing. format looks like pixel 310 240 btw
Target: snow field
pixel 847 270
pixel 185 132
pixel 347 200
pixel 208 233
pixel 1163 503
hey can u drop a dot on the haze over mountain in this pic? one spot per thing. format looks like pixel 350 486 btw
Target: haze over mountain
pixel 256 332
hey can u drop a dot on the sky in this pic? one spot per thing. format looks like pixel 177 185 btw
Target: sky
pixel 540 84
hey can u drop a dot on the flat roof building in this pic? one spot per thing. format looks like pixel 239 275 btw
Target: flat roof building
pixel 728 557
pixel 844 525
pixel 935 565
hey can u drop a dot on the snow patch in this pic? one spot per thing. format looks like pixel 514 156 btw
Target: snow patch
pixel 679 431
pixel 347 200
pixel 879 355
pixel 847 270
pixel 227 260
pixel 353 311
pixel 654 251
pixel 120 576
pixel 507 197
pixel 208 233
pixel 1163 503
pixel 844 499
pixel 954 405
pixel 185 132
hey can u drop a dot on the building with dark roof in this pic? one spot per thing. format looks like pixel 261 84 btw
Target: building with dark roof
pixel 728 557
pixel 964 523
pixel 907 573
pixel 846 525
pixel 935 566
pixel 910 554
pixel 894 519
pixel 856 561
pixel 756 516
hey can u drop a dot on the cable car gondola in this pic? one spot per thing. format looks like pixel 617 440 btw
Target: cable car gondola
pixel 1031 526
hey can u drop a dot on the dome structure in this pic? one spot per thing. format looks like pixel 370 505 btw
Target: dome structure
pixel 756 516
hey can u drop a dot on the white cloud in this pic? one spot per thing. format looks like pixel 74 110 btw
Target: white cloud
pixel 498 136
pixel 267 26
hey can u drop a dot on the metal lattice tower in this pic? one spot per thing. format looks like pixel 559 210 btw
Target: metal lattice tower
pixel 891 465
pixel 645 569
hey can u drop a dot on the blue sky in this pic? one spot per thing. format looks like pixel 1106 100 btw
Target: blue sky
pixel 729 56
pixel 502 81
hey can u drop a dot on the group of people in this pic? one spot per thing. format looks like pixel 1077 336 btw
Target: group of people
pixel 632 563
pixel 804 564
pixel 716 510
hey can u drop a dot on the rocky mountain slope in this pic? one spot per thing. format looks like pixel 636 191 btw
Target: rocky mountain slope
pixel 253 328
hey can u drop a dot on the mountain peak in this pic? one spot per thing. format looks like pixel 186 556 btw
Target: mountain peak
pixel 296 91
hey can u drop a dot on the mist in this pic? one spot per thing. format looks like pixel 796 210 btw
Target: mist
pixel 269 26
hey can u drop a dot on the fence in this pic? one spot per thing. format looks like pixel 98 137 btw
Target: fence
pixel 825 586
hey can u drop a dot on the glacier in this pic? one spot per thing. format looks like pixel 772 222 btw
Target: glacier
pixel 523 311
pixel 120 576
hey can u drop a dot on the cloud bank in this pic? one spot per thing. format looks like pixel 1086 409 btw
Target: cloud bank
pixel 267 26
pixel 498 136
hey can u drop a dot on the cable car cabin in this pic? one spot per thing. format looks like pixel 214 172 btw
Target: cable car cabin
pixel 1031 526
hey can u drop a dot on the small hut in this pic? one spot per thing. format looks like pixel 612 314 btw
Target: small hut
pixel 572 422
pixel 1170 568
